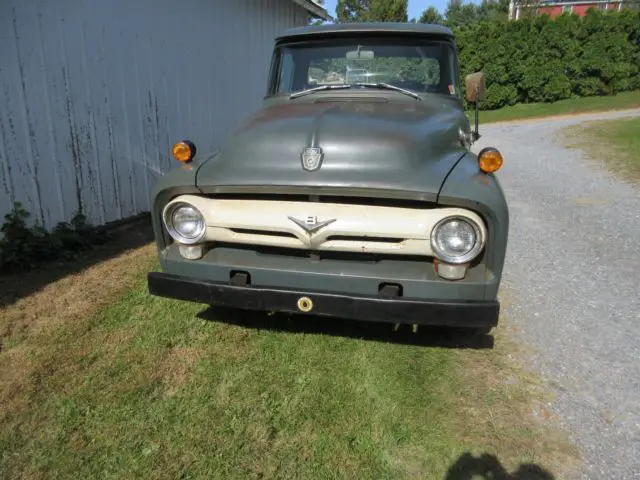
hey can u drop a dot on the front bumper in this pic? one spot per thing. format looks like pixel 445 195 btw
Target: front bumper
pixel 451 313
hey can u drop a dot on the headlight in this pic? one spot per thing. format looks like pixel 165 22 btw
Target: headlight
pixel 185 223
pixel 456 240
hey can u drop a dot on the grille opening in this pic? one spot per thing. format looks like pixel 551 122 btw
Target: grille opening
pixel 389 290
pixel 341 199
pixel 319 255
pixel 270 233
pixel 261 249
pixel 239 278
pixel 348 238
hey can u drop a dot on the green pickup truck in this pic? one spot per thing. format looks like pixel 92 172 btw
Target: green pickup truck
pixel 352 199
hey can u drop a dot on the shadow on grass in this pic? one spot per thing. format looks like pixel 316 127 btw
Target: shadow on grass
pixel 371 331
pixel 488 467
pixel 129 235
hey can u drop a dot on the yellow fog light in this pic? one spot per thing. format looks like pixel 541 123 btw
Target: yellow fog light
pixel 490 160
pixel 450 271
pixel 191 252
pixel 183 151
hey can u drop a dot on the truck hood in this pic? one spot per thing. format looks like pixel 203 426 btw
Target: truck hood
pixel 372 145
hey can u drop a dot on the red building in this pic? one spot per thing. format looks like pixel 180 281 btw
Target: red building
pixel 554 8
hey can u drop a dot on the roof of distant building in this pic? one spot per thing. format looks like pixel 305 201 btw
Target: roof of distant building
pixel 314 9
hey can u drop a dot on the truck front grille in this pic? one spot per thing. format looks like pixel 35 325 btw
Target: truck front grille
pixel 345 224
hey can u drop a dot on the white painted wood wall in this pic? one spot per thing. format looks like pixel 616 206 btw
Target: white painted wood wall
pixel 94 92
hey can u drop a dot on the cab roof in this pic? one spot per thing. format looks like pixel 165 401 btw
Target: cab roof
pixel 369 27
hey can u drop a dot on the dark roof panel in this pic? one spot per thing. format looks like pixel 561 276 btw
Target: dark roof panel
pixel 373 27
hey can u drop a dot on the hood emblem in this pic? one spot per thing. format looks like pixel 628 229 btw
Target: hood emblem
pixel 312 158
pixel 311 224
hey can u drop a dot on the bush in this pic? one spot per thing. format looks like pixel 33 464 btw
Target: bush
pixel 23 247
pixel 543 60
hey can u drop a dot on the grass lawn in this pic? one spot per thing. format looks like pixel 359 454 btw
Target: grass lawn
pixel 623 100
pixel 99 379
pixel 614 142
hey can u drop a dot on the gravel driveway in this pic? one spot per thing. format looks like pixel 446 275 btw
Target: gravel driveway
pixel 572 279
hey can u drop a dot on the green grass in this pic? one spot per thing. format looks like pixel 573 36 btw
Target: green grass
pixel 144 388
pixel 614 142
pixel 563 107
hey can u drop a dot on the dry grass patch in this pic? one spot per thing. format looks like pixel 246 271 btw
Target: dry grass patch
pixel 30 325
pixel 74 298
pixel 612 143
pixel 176 368
pixel 143 387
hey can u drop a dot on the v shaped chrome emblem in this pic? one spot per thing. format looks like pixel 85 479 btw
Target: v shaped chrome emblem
pixel 311 224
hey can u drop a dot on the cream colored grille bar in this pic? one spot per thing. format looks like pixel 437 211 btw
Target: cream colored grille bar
pixel 323 226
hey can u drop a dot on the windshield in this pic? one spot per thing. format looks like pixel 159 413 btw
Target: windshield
pixel 420 65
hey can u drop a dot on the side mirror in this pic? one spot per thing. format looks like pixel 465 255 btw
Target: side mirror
pixel 475 87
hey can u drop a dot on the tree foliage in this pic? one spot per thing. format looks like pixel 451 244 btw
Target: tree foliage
pixel 459 13
pixel 372 11
pixel 431 15
pixel 541 59
pixel 534 59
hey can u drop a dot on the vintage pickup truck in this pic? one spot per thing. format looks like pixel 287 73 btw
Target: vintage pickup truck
pixel 359 200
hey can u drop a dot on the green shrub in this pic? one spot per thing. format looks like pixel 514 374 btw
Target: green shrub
pixel 541 59
pixel 23 247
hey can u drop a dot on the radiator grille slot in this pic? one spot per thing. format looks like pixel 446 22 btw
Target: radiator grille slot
pixel 340 199
pixel 270 233
pixel 348 238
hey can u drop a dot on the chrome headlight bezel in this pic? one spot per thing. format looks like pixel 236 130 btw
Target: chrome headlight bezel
pixel 168 219
pixel 459 259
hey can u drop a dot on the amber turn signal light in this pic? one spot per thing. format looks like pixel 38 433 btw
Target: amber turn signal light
pixel 490 160
pixel 183 151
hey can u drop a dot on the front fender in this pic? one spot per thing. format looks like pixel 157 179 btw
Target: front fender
pixel 467 186
pixel 179 181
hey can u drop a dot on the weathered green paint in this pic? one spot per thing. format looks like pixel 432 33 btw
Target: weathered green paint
pixel 355 278
pixel 377 144
pixel 383 143
pixel 468 187
pixel 179 181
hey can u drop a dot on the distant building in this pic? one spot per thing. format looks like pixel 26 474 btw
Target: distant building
pixel 553 8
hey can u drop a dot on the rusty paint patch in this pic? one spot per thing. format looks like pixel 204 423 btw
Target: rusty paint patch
pixel 145 176
pixel 157 117
pixel 127 134
pixel 55 161
pixel 73 144
pixel 112 153
pixel 32 149
pixel 94 179
pixel 7 180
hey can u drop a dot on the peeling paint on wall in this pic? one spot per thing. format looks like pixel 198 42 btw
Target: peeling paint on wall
pixel 91 100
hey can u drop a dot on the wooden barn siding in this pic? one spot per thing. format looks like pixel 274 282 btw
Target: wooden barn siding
pixel 93 93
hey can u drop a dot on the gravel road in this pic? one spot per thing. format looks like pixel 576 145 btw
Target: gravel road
pixel 572 280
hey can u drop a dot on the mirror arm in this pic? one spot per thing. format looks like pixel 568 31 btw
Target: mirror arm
pixel 476 133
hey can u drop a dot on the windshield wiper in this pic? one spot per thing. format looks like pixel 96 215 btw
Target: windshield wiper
pixel 344 86
pixel 319 89
pixel 411 93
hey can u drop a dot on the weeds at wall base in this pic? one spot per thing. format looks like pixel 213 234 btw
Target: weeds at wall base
pixel 24 248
